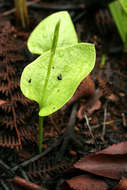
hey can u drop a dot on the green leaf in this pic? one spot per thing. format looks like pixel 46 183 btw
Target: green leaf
pixel 124 5
pixel 41 38
pixel 70 66
pixel 119 18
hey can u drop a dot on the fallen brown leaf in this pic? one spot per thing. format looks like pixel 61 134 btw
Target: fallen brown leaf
pixel 110 162
pixel 120 148
pixel 122 185
pixel 86 182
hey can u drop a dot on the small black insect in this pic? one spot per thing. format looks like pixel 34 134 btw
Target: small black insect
pixel 59 77
pixel 29 80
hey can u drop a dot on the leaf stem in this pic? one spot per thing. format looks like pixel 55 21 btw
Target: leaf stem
pixel 40 138
pixel 53 49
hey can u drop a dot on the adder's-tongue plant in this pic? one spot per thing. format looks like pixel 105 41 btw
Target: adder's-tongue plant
pixel 53 77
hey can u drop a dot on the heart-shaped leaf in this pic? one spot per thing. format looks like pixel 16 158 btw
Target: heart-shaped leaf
pixel 41 38
pixel 70 66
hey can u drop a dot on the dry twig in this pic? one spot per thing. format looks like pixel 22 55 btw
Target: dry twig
pixel 90 130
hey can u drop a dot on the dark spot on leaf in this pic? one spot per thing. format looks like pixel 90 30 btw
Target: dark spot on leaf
pixel 59 77
pixel 53 108
pixel 58 90
pixel 29 81
pixel 53 67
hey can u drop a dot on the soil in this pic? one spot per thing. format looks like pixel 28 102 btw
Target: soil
pixel 97 114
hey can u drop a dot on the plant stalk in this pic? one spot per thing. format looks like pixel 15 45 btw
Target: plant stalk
pixel 53 49
pixel 40 138
pixel 103 60
pixel 22 13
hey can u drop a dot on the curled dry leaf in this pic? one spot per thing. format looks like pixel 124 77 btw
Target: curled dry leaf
pixel 86 89
pixel 122 185
pixel 90 110
pixel 110 162
pixel 81 112
pixel 86 182
pixel 92 104
pixel 95 106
